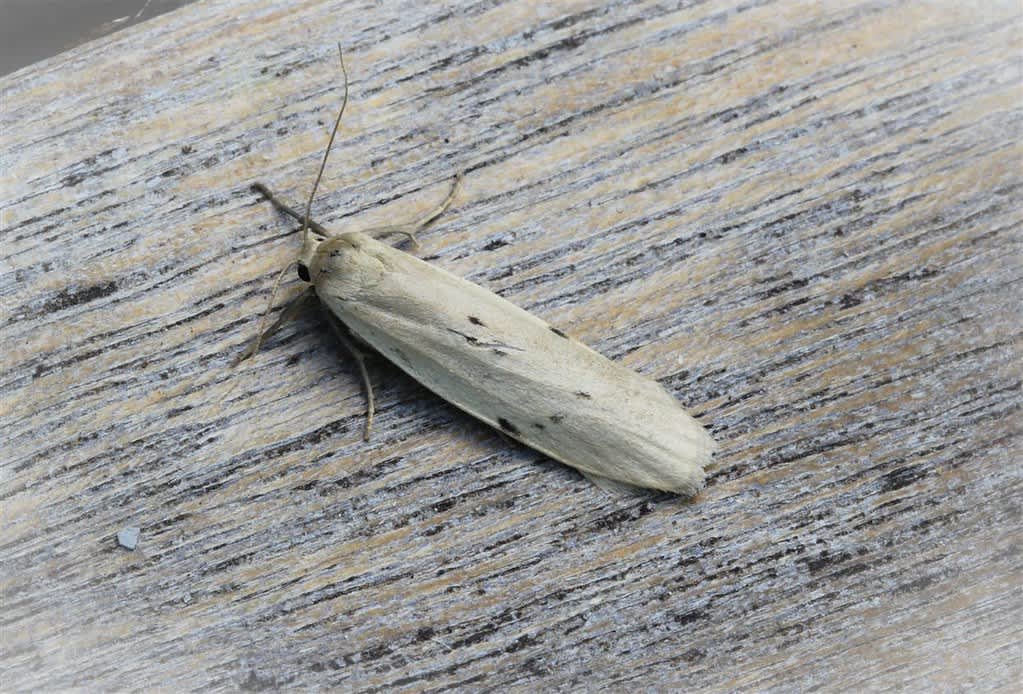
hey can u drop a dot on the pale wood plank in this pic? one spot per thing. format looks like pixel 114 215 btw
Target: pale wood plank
pixel 803 218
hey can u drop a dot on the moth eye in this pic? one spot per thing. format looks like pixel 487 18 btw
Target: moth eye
pixel 303 272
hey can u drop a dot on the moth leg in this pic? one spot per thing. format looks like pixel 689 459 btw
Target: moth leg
pixel 360 360
pixel 291 310
pixel 409 230
pixel 288 210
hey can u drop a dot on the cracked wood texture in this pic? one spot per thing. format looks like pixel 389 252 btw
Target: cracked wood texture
pixel 802 218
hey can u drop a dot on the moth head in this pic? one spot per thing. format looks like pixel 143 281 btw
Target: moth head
pixel 310 245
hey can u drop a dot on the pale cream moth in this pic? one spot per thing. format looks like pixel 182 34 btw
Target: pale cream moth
pixel 495 360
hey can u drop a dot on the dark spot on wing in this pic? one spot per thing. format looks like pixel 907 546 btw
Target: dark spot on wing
pixel 557 418
pixel 468 338
pixel 476 321
pixel 537 425
pixel 583 394
pixel 498 347
pixel 558 332
pixel 507 426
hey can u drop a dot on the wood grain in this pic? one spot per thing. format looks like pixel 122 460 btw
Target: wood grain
pixel 803 218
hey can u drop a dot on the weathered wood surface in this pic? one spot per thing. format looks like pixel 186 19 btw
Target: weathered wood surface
pixel 802 217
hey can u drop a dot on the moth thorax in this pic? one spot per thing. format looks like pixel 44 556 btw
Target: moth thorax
pixel 305 257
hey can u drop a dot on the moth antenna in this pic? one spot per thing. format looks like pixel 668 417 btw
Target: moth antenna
pixel 261 335
pixel 330 143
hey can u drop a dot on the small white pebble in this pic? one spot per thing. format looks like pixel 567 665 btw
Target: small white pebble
pixel 128 537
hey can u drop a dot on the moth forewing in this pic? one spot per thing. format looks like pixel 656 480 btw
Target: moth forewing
pixel 511 369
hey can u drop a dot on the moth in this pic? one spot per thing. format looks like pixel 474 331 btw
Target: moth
pixel 492 359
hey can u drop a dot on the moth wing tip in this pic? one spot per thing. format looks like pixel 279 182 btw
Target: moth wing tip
pixel 704 447
pixel 615 487
pixel 691 480
pixel 687 484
